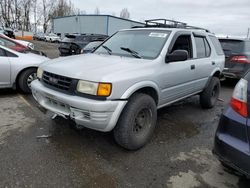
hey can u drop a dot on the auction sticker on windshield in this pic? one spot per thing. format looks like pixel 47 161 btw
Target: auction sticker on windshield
pixel 160 35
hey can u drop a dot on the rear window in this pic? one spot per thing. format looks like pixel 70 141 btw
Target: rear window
pixel 217 45
pixel 247 46
pixel 232 46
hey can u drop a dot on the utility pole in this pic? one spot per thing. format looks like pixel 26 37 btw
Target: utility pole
pixel 248 33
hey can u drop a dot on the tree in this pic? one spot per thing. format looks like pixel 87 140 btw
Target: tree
pixel 125 13
pixel 64 8
pixel 26 4
pixel 47 10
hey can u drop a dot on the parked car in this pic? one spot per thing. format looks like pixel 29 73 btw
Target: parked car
pixel 73 44
pixel 121 85
pixel 231 144
pixel 39 36
pixel 11 43
pixel 18 70
pixel 9 32
pixel 19 45
pixel 30 45
pixel 52 37
pixel 237 53
pixel 1 30
pixel 90 47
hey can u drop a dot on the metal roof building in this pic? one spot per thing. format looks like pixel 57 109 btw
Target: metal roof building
pixel 96 24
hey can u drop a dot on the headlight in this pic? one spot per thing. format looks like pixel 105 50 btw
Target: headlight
pixel 39 73
pixel 93 88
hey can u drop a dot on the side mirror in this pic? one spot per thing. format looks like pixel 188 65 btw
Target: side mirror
pixel 177 55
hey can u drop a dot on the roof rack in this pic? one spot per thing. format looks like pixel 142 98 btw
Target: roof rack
pixel 167 23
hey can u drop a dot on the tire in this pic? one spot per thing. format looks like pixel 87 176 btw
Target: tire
pixel 25 80
pixel 137 122
pixel 209 96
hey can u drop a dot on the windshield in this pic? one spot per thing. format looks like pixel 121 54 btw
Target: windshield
pixel 145 44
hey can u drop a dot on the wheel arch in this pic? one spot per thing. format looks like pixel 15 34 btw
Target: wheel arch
pixel 149 88
pixel 15 84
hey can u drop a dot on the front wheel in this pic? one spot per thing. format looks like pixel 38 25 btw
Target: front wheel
pixel 25 79
pixel 209 96
pixel 137 122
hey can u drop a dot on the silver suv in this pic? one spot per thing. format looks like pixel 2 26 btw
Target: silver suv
pixel 123 82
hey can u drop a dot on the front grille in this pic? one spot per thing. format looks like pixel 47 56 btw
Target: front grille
pixel 57 81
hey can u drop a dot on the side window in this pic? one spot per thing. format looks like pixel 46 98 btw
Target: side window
pixel 9 54
pixel 2 53
pixel 208 48
pixel 217 45
pixel 200 47
pixel 184 42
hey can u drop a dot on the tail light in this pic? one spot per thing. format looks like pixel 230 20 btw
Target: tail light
pixel 239 98
pixel 240 59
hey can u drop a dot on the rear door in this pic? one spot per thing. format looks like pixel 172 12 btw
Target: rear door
pixel 5 69
pixel 204 63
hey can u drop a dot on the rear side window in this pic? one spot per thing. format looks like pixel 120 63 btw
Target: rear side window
pixel 202 47
pixel 217 45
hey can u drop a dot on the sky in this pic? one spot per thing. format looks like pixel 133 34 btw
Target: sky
pixel 222 17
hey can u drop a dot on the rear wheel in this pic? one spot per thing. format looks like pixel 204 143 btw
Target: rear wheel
pixel 209 96
pixel 137 122
pixel 25 79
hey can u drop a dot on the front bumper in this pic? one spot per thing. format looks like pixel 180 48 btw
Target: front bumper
pixel 93 114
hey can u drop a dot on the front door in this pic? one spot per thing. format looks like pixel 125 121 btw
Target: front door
pixel 177 79
pixel 5 69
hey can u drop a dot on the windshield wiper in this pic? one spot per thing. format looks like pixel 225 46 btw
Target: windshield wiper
pixel 132 52
pixel 108 49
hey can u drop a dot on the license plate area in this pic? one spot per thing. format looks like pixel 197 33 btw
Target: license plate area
pixel 57 106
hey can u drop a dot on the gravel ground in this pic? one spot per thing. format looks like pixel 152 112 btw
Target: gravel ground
pixel 179 155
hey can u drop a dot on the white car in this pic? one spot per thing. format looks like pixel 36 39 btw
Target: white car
pixel 52 37
pixel 18 70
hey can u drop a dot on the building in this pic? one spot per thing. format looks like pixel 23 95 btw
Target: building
pixel 97 24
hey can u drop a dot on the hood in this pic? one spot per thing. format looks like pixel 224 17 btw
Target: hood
pixel 93 67
pixel 33 58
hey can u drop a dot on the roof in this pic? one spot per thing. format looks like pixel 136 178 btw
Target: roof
pixel 168 29
pixel 100 15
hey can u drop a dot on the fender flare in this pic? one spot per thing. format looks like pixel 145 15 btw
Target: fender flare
pixel 140 85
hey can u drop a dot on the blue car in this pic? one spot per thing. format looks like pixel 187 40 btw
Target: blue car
pixel 232 139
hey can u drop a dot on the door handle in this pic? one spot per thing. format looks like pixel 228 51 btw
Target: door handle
pixel 192 67
pixel 213 63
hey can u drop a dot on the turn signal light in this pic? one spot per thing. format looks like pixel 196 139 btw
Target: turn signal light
pixel 104 89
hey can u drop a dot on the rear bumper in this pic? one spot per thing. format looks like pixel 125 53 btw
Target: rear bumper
pixel 228 73
pixel 228 146
pixel 231 156
pixel 93 114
